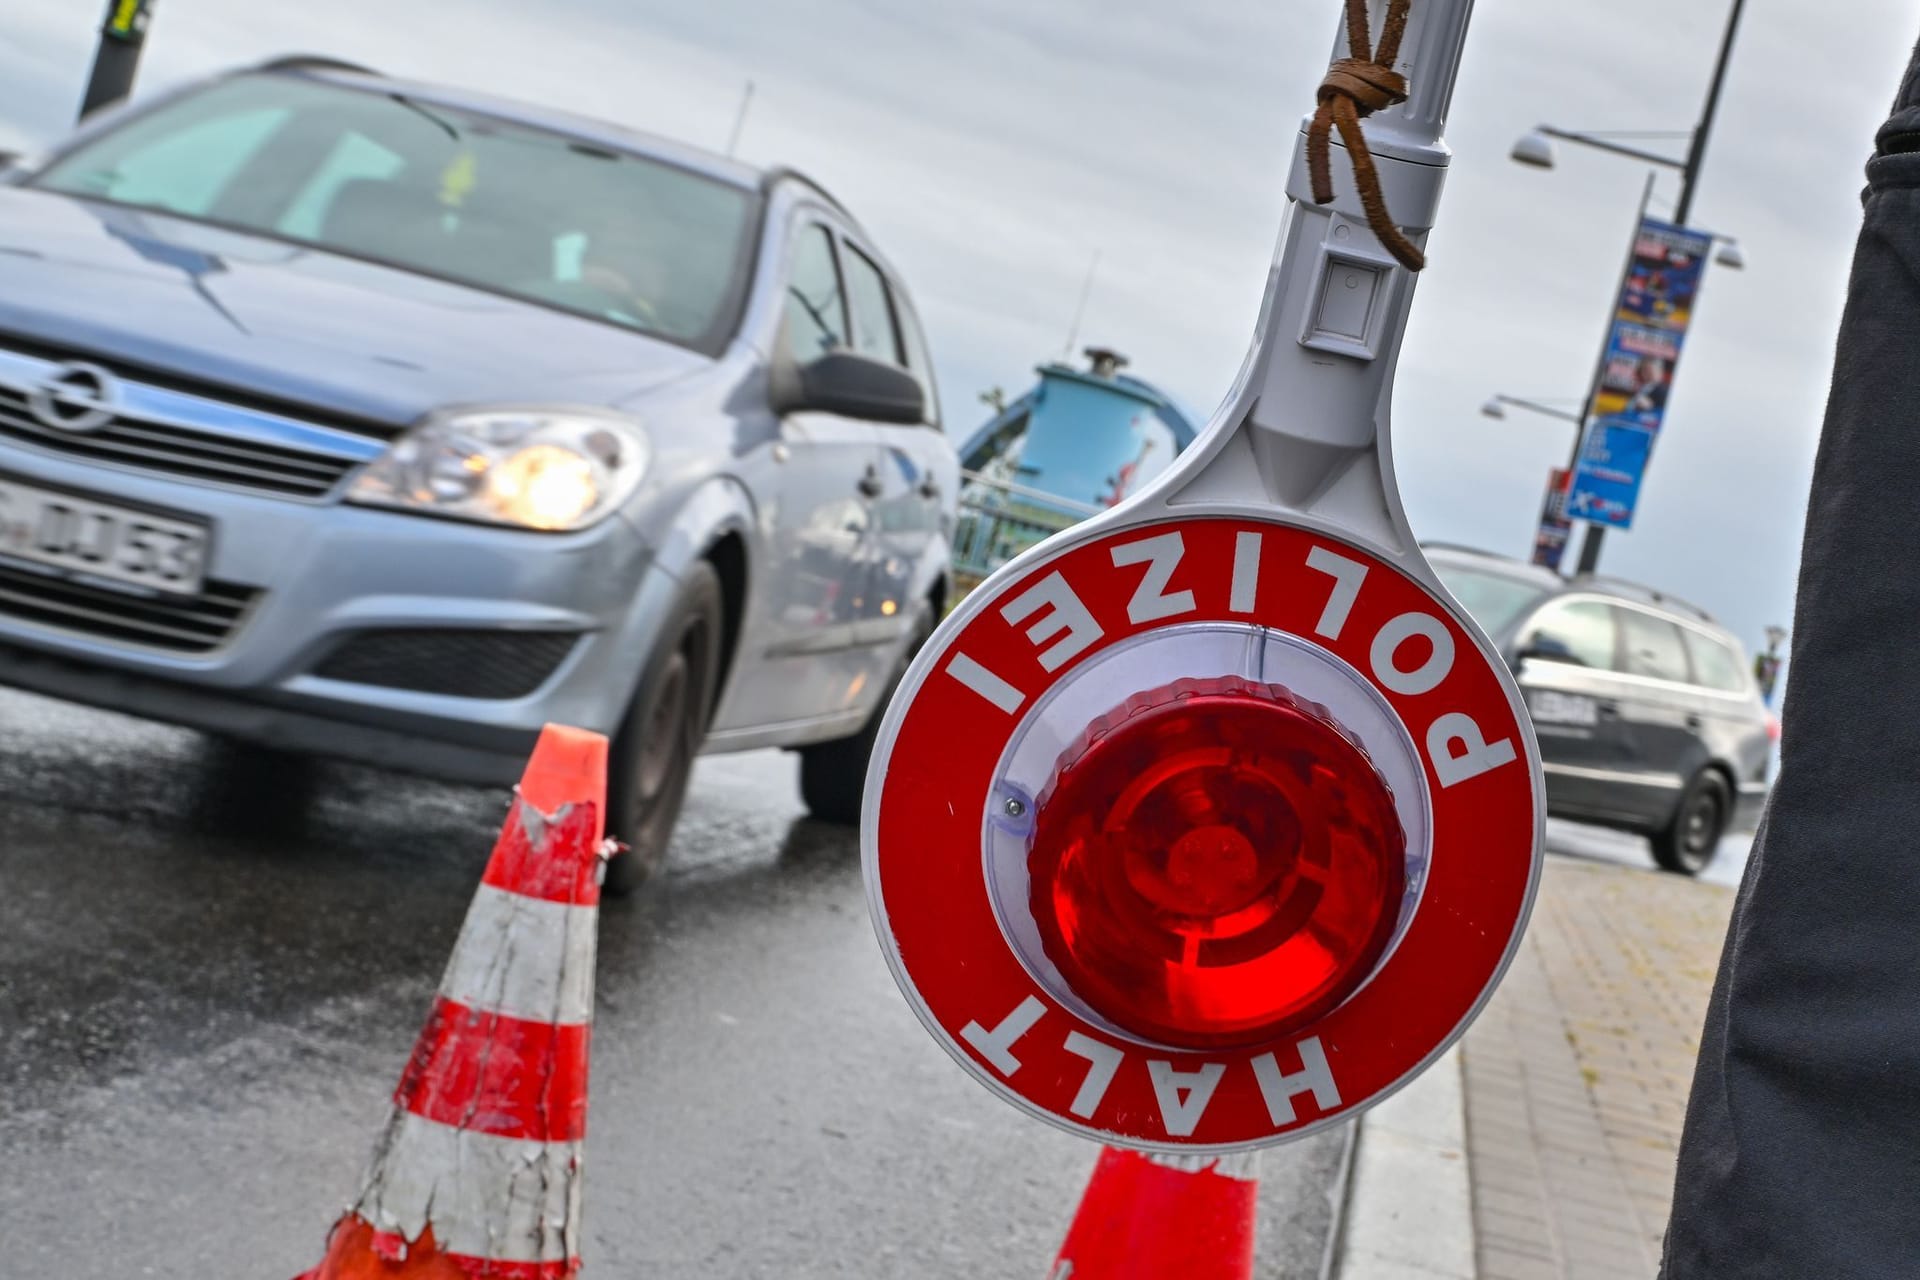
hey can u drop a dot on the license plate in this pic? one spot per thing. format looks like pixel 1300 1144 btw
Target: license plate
pixel 82 537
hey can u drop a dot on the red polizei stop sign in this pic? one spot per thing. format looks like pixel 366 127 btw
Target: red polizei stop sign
pixel 1213 820
pixel 1203 833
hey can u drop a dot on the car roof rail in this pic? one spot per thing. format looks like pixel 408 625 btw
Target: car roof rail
pixel 313 62
pixel 783 173
pixel 1641 592
pixel 1465 548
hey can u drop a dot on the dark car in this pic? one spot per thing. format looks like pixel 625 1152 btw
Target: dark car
pixel 1647 716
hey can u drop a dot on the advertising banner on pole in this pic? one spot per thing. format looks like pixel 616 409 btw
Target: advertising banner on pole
pixel 1649 326
pixel 1613 460
pixel 1550 543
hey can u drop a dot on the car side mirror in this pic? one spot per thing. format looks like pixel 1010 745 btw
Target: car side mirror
pixel 852 386
pixel 1545 649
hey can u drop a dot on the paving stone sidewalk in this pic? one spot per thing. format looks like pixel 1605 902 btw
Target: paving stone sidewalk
pixel 1576 1076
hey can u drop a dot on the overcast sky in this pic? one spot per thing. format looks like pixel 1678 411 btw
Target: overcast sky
pixel 992 146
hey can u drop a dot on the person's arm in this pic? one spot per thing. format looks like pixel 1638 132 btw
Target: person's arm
pixel 1801 1154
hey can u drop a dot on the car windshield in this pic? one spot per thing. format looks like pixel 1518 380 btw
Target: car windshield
pixel 1493 599
pixel 506 207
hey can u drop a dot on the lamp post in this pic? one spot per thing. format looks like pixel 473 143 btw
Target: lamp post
pixel 1766 668
pixel 1536 149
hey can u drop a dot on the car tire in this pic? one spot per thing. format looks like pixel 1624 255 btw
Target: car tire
pixel 247 789
pixel 833 775
pixel 654 747
pixel 1687 844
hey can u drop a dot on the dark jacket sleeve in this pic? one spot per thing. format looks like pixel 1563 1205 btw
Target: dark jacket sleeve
pixel 1801 1155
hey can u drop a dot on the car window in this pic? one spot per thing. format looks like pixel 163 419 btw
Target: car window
pixel 183 169
pixel 1653 647
pixel 354 156
pixel 919 364
pixel 1493 599
pixel 873 331
pixel 513 209
pixel 816 320
pixel 1580 631
pixel 1715 664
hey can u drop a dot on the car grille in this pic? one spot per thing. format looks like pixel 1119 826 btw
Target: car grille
pixel 197 455
pixel 178 624
pixel 458 663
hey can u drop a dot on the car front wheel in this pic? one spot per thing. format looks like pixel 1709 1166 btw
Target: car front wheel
pixel 654 748
pixel 1687 844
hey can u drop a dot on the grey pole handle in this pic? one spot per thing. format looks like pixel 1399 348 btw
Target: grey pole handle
pixel 1306 426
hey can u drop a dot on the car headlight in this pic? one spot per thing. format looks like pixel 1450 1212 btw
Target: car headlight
pixel 552 469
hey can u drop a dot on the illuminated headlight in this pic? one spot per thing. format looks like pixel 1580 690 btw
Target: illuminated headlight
pixel 532 468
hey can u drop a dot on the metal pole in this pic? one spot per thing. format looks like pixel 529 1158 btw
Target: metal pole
pixel 1696 152
pixel 123 33
pixel 1576 417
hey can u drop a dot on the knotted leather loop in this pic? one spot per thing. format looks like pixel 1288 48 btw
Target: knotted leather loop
pixel 1355 87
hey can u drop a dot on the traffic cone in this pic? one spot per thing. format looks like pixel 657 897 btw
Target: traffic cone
pixel 478 1172
pixel 1163 1217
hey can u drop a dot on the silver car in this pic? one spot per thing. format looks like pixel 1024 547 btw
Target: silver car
pixel 360 417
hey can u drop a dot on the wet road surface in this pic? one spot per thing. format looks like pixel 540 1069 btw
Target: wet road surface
pixel 213 965
pixel 1599 845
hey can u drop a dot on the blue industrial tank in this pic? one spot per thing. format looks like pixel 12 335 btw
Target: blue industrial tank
pixel 1080 441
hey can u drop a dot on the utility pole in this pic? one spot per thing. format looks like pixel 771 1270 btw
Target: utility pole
pixel 123 32
pixel 1689 173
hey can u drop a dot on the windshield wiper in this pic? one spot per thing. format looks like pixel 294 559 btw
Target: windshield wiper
pixel 438 121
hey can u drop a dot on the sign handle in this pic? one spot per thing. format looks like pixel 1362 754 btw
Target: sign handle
pixel 1306 426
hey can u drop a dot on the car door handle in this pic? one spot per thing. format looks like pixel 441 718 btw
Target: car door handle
pixel 1693 721
pixel 1609 709
pixel 870 483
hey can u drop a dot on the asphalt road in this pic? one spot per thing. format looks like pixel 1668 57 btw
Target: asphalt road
pixel 1577 841
pixel 213 966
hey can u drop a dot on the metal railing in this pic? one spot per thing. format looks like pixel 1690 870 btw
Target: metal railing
pixel 999 519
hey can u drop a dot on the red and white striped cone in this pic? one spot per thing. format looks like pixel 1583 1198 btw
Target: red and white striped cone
pixel 478 1172
pixel 1157 1217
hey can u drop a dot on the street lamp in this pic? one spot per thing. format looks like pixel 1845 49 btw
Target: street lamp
pixel 1535 147
pixel 1536 150
pixel 1496 407
pixel 1766 669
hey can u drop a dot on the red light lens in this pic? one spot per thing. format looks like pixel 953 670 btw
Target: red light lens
pixel 1215 863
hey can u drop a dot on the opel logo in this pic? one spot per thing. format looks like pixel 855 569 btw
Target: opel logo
pixel 75 398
